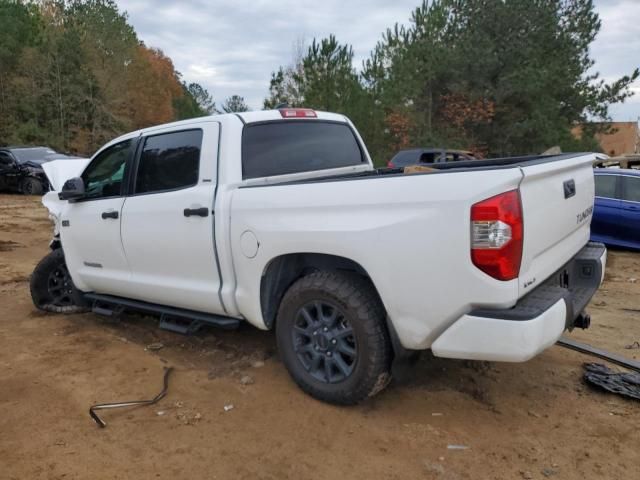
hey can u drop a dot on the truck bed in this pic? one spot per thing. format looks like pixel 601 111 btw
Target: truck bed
pixel 451 167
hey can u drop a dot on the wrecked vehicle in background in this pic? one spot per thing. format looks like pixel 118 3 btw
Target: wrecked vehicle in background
pixel 279 218
pixel 422 156
pixel 21 168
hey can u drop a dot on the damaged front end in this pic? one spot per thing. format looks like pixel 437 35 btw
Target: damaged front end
pixel 57 172
pixel 52 289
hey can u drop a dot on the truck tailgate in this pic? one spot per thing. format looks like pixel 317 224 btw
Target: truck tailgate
pixel 557 203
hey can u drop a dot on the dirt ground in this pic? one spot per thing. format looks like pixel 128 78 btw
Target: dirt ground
pixel 532 420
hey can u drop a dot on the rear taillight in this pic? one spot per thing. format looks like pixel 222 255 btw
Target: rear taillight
pixel 390 164
pixel 298 113
pixel 496 235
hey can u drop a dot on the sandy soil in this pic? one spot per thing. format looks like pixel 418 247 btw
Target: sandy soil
pixel 532 420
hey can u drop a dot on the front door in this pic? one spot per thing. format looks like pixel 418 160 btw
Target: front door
pixel 167 221
pixel 90 227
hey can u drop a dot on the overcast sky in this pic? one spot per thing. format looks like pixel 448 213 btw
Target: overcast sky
pixel 232 46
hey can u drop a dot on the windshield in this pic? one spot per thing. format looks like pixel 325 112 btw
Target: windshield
pixel 36 155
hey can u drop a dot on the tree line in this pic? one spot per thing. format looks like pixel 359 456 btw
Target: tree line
pixel 74 75
pixel 498 77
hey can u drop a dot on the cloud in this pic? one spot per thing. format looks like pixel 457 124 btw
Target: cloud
pixel 616 50
pixel 232 46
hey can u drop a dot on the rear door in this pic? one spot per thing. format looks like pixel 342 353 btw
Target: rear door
pixel 557 205
pixel 606 215
pixel 630 209
pixel 167 221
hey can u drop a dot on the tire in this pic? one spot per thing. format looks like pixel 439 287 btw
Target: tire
pixel 32 186
pixel 332 337
pixel 52 289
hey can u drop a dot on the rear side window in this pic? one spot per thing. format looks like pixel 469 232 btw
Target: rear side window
pixel 631 189
pixel 606 186
pixel 169 161
pixel 279 148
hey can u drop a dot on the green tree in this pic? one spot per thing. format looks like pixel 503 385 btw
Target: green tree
pixel 235 103
pixel 284 87
pixel 203 98
pixel 505 77
pixel 19 30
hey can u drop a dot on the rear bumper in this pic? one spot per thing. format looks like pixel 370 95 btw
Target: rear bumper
pixel 535 322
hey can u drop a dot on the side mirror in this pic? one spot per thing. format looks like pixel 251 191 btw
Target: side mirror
pixel 72 189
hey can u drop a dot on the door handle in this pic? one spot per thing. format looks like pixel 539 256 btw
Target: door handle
pixel 198 212
pixel 111 214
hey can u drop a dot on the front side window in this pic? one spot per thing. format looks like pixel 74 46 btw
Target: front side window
pixel 606 186
pixel 104 176
pixel 631 189
pixel 169 161
pixel 280 148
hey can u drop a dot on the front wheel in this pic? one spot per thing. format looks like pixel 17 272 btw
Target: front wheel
pixel 332 337
pixel 52 289
pixel 32 186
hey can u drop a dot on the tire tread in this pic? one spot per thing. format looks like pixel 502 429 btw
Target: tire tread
pixel 359 295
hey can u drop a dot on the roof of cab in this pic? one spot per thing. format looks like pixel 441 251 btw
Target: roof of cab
pixel 244 117
pixel 267 115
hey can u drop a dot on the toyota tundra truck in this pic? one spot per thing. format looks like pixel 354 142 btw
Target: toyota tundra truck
pixel 279 218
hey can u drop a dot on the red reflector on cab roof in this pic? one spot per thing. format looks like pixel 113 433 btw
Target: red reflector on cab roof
pixel 297 113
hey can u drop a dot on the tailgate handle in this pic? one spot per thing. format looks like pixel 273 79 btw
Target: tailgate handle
pixel 569 188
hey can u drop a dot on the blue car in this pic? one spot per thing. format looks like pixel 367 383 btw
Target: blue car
pixel 616 217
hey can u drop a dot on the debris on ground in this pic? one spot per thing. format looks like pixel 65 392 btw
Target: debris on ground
pixel 632 346
pixel 457 447
pixel 434 468
pixel 154 347
pixel 258 364
pixel 228 407
pixel 526 475
pixel 622 383
pixel 104 406
pixel 549 472
pixel 597 352
pixel 188 417
pixel 247 380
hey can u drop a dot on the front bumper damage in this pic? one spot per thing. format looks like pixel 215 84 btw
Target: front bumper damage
pixel 536 322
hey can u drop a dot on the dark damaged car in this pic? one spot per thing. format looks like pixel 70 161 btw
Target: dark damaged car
pixel 21 169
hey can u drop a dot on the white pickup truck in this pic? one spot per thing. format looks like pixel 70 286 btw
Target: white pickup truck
pixel 280 219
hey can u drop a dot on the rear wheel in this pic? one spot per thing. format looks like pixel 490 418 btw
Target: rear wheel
pixel 32 186
pixel 52 289
pixel 332 337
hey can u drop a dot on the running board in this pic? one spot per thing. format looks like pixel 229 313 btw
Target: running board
pixel 174 319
